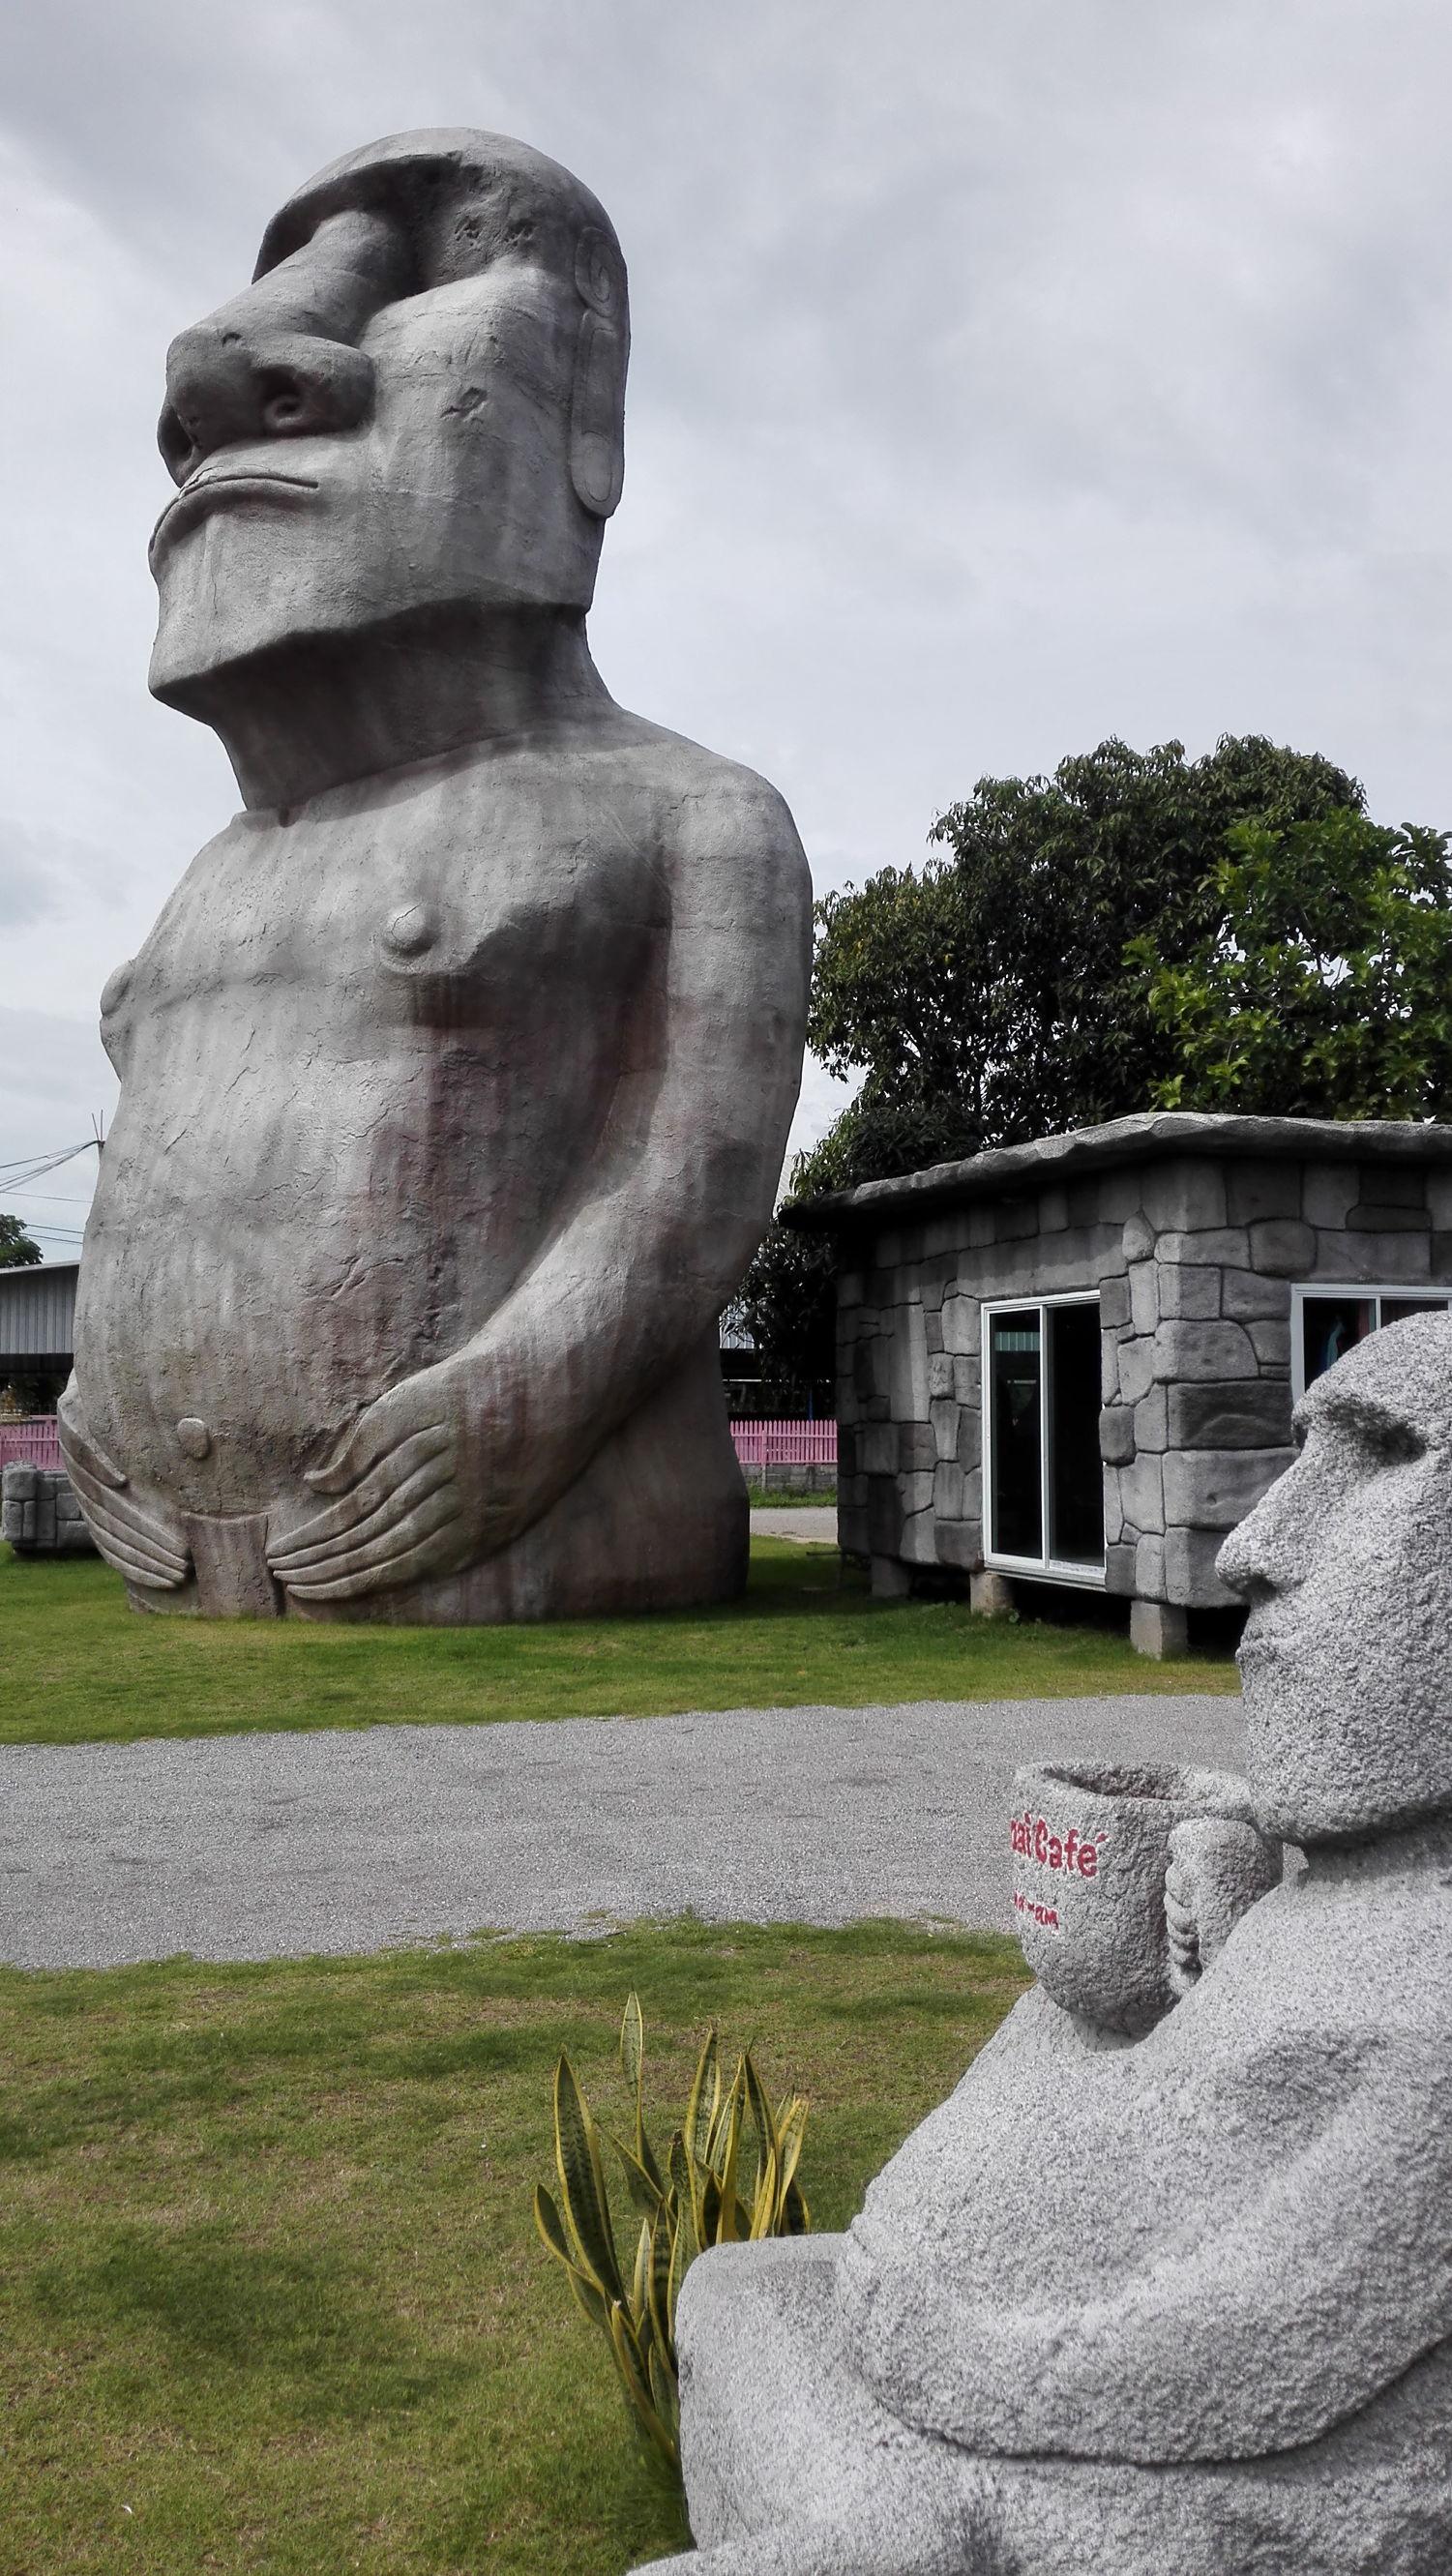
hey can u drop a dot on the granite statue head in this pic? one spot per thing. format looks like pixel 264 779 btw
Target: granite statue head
pixel 1346 1563
pixel 411 421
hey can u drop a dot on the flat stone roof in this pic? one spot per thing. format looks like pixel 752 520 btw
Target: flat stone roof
pixel 1151 1136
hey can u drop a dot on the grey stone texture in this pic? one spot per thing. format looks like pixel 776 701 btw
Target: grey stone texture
pixel 457 1072
pixel 1164 2283
pixel 1191 1229
pixel 40 1514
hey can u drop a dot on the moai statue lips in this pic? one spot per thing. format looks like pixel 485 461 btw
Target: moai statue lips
pixel 1182 2301
pixel 456 1074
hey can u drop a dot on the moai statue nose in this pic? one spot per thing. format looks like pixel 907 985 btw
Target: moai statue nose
pixel 282 360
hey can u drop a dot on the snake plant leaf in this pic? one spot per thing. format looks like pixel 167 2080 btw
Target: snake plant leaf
pixel 634 2371
pixel 587 2295
pixel 632 2043
pixel 645 2189
pixel 640 2277
pixel 582 2184
pixel 728 2228
pixel 705 2100
pixel 663 2239
pixel 796 2218
pixel 762 2124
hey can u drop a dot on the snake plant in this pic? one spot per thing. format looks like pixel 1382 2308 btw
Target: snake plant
pixel 728 2175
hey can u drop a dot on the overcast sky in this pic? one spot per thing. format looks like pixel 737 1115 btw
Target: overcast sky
pixel 1005 376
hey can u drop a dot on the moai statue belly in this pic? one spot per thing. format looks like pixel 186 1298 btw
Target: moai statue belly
pixel 456 1074
pixel 1179 2297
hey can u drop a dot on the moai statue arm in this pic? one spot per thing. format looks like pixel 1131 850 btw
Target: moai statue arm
pixel 457 1460
pixel 1226 2339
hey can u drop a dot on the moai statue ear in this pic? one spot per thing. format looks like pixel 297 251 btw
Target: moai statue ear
pixel 597 406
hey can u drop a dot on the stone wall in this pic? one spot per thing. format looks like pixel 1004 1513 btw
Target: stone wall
pixel 1194 1259
pixel 39 1513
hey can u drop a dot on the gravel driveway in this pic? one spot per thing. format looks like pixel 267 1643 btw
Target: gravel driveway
pixel 268 1846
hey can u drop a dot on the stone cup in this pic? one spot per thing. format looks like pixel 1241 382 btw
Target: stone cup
pixel 1092 1849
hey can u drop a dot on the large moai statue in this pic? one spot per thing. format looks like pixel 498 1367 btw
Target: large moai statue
pixel 457 1072
pixel 1167 2283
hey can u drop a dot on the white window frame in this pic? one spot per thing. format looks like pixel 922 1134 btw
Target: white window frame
pixel 1301 1289
pixel 1048 1569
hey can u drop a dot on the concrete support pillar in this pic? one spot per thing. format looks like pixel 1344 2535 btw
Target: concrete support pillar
pixel 891 1579
pixel 1157 1629
pixel 989 1594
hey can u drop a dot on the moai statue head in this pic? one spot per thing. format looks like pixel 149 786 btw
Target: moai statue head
pixel 1347 1566
pixel 409 427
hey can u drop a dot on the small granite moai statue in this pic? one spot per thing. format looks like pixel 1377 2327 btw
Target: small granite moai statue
pixel 1167 2283
pixel 457 1072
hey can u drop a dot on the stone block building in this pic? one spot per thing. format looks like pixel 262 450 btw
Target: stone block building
pixel 39 1513
pixel 1074 1361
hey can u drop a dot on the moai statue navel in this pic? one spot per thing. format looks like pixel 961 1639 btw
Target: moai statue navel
pixel 1167 2283
pixel 457 1072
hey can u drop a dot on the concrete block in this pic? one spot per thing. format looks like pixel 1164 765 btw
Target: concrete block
pixel 948 1496
pixel 908 1352
pixel 1185 1194
pixel 943 1421
pixel 891 1580
pixel 1190 1577
pixel 1141 1493
pixel 1188 1291
pixel 962 1328
pixel 970 1437
pixel 1119 1558
pixel 1157 1629
pixel 932 1330
pixel 1151 1420
pixel 877 1449
pixel 1328 1190
pixel 1439 1196
pixel 1259 1192
pixel 1018 1221
pixel 1149 1569
pixel 967 1381
pixel 1373 1216
pixel 1116 1435
pixel 1272 1344
pixel 990 1594
pixel 1144 1298
pixel 852 1528
pixel 1212 1489
pixel 1139 1237
pixel 1248 1297
pixel 1249 1413
pixel 1284 1246
pixel 960 1545
pixel 1375 1258
pixel 884 1516
pixel 1114 1522
pixel 1216 1248
pixel 1114 1300
pixel 1202 1351
pixel 1053 1210
pixel 916 1449
pixel 920 1537
pixel 940 1378
pixel 1138 1367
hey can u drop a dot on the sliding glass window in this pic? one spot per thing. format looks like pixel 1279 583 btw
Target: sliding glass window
pixel 1045 1497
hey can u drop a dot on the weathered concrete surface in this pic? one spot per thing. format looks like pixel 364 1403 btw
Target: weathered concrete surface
pixel 39 1513
pixel 457 1072
pixel 1183 2299
pixel 266 1846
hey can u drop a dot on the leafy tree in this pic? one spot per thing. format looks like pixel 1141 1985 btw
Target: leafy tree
pixel 990 991
pixel 1323 986
pixel 18 1250
pixel 1003 990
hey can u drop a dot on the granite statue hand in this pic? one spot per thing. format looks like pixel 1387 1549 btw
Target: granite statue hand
pixel 408 1480
pixel 139 1542
pixel 1218 1868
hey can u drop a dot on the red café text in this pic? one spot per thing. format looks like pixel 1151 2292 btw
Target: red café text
pixel 1033 1838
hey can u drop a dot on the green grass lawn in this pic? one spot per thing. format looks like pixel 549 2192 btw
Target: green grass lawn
pixel 270 2294
pixel 79 1666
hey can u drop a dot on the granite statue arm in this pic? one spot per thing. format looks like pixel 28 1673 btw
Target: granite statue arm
pixel 1230 2339
pixel 457 1460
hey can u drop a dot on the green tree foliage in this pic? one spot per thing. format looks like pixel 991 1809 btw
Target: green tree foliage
pixel 18 1250
pixel 990 992
pixel 1323 986
pixel 988 996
